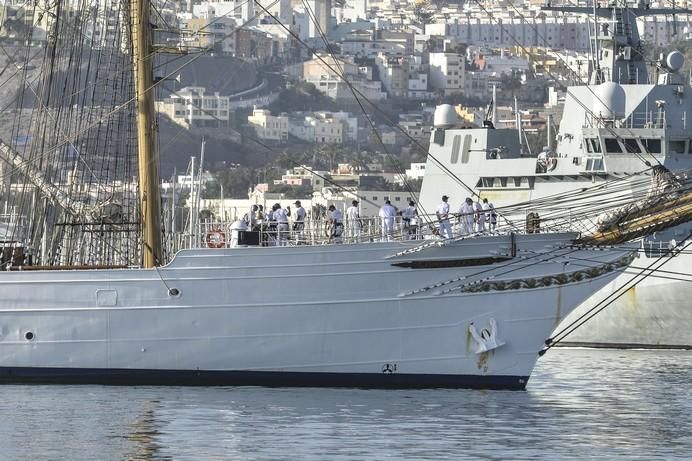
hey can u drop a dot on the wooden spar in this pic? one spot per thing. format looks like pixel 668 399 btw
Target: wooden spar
pixel 149 195
pixel 645 222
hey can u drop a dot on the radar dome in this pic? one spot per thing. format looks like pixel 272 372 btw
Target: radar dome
pixel 445 116
pixel 675 60
pixel 609 101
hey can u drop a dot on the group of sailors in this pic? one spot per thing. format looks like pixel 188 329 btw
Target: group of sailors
pixel 387 214
pixel 276 221
pixel 472 217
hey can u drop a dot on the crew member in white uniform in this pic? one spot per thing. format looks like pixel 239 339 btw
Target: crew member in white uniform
pixel 479 216
pixel 490 215
pixel 299 222
pixel 353 221
pixel 442 213
pixel 409 218
pixel 466 216
pixel 387 213
pixel 336 224
pixel 250 219
pixel 281 219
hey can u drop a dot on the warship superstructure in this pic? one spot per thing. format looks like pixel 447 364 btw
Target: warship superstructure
pixel 625 123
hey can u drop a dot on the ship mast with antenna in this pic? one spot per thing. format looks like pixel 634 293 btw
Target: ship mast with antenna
pixel 149 194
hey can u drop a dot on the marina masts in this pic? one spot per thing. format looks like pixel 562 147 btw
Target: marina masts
pixel 142 57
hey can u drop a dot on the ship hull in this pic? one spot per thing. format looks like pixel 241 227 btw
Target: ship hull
pixel 352 315
pixel 653 314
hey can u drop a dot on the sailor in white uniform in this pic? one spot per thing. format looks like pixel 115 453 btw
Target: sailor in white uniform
pixel 353 221
pixel 479 216
pixel 299 222
pixel 442 213
pixel 490 215
pixel 409 218
pixel 466 216
pixel 387 213
pixel 336 224
pixel 281 218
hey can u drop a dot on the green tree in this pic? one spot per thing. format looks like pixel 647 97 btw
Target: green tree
pixel 302 96
pixel 236 182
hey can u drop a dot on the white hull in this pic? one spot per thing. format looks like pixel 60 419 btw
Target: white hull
pixel 328 315
pixel 652 314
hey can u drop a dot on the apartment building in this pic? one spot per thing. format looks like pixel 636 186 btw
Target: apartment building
pixel 269 127
pixel 447 72
pixel 394 74
pixel 191 107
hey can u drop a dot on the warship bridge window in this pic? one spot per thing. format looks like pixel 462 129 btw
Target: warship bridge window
pixel 594 164
pixel 517 182
pixel 631 146
pixel 593 146
pixel 653 146
pixel 676 147
pixel 612 146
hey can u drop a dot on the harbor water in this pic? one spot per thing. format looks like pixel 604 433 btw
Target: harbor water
pixel 580 404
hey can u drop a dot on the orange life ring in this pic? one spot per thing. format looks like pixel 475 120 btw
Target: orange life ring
pixel 216 239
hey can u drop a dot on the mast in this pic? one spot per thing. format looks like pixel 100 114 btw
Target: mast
pixel 149 194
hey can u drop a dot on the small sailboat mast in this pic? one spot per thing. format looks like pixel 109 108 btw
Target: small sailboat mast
pixel 150 201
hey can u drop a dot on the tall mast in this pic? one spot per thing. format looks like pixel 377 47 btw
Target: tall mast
pixel 149 194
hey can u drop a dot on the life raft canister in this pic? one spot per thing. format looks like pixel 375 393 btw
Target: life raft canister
pixel 216 239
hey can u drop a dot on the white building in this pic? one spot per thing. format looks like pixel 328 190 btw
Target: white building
pixel 394 74
pixel 324 127
pixel 530 28
pixel 336 88
pixel 269 127
pixel 191 107
pixel 447 72
pixel 319 18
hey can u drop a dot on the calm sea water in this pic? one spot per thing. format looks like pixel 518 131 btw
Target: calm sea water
pixel 580 404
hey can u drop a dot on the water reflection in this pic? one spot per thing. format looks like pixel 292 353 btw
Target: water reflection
pixel 143 434
pixel 579 404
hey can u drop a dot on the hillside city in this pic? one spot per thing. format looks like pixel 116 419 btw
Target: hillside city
pixel 329 101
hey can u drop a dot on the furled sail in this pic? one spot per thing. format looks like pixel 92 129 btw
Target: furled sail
pixel 668 203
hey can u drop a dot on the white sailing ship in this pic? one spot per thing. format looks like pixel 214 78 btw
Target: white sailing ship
pixel 468 313
pixel 619 126
pixel 454 313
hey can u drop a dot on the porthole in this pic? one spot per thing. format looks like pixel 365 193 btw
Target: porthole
pixel 173 292
pixel 29 335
